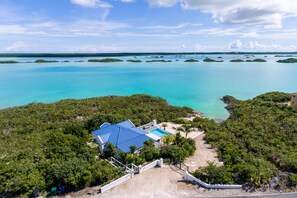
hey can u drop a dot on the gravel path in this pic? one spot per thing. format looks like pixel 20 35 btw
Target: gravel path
pixel 203 154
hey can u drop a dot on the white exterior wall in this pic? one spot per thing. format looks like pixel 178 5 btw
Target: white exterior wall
pixel 189 177
pixel 131 175
pixel 115 183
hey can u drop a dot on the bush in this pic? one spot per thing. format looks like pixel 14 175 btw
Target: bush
pixel 174 153
pixel 149 152
pixel 45 145
pixel 293 180
pixel 258 140
pixel 275 97
pixel 212 174
pixel 110 151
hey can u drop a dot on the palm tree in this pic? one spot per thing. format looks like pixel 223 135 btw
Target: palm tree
pixel 186 128
pixel 168 138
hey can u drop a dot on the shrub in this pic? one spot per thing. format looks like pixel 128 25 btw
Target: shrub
pixel 212 174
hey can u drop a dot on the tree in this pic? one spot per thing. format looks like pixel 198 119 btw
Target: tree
pixel 132 149
pixel 110 150
pixel 168 138
pixel 186 128
pixel 149 143
pixel 164 125
pixel 149 151
pixel 178 139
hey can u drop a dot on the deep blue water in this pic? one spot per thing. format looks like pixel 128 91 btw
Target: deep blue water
pixel 197 85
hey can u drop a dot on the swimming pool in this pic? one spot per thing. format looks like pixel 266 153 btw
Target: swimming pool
pixel 159 132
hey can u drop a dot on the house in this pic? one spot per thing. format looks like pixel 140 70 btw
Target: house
pixel 122 135
pixel 294 101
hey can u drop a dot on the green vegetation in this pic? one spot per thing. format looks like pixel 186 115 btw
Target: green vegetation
pixel 45 145
pixel 259 60
pixel 212 174
pixel 8 62
pixel 79 61
pixel 186 128
pixel 177 152
pixel 134 61
pixel 236 61
pixel 283 55
pixel 66 61
pixel 105 60
pixel 256 143
pixel 275 97
pixel 191 61
pixel 168 138
pixel 289 60
pixel 212 60
pixel 158 61
pixel 45 61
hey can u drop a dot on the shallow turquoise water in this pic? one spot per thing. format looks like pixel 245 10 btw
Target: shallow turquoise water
pixel 197 85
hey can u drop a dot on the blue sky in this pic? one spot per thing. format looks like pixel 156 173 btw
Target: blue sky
pixel 147 25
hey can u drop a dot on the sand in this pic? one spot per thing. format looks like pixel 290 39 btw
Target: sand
pixel 202 155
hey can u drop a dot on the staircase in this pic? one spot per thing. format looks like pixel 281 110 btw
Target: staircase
pixel 130 168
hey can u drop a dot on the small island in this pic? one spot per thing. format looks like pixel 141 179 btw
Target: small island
pixel 289 60
pixel 134 61
pixel 191 61
pixel 158 61
pixel 283 56
pixel 259 60
pixel 79 61
pixel 236 61
pixel 105 60
pixel 9 62
pixel 212 60
pixel 45 61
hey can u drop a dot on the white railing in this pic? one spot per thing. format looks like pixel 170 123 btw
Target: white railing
pixel 115 183
pixel 189 177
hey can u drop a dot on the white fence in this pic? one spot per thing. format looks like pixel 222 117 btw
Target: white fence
pixel 115 183
pixel 189 177
pixel 151 165
pixel 131 174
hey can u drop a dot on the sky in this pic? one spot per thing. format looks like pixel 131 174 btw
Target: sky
pixel 148 25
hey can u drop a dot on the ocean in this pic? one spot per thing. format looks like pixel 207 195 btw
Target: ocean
pixel 196 85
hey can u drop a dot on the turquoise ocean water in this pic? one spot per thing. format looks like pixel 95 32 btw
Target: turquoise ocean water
pixel 197 85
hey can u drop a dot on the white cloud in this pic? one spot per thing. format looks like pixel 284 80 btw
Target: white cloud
pixel 235 44
pixel 268 14
pixel 128 1
pixel 92 3
pixel 217 32
pixel 96 48
pixel 16 47
pixel 164 27
pixel 162 3
pixel 256 46
pixel 77 28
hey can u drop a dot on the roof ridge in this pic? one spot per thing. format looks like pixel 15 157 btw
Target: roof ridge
pixel 120 130
pixel 131 128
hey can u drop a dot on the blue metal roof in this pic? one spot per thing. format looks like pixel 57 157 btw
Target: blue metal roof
pixel 122 135
pixel 127 124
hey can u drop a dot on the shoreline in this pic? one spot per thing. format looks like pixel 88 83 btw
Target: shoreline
pixel 195 112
